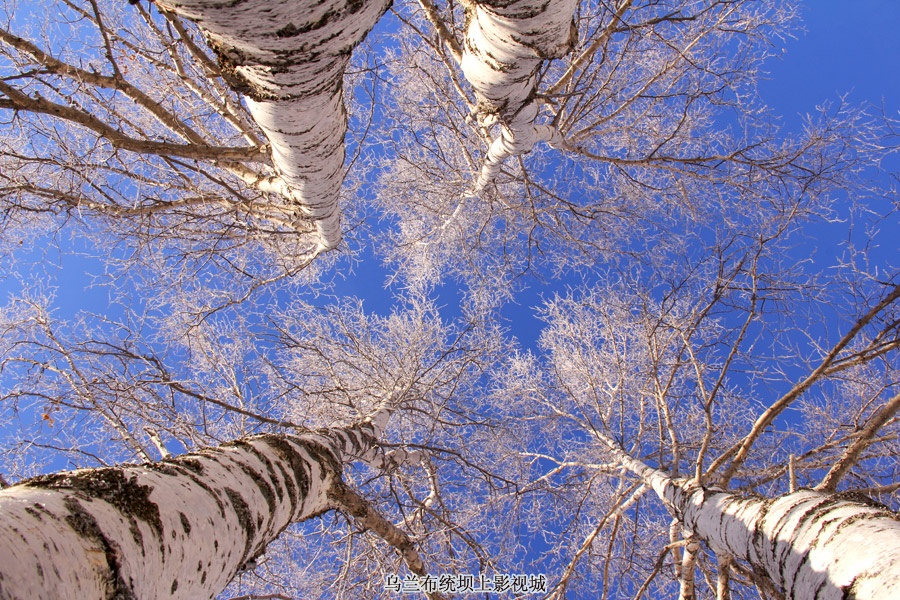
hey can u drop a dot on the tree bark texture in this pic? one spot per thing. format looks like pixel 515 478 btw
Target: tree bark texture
pixel 179 528
pixel 288 58
pixel 506 42
pixel 809 544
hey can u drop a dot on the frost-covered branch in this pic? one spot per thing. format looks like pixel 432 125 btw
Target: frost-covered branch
pixel 363 512
pixel 862 440
pixel 444 34
pixel 18 100
pixel 627 502
pixel 587 54
pixel 740 451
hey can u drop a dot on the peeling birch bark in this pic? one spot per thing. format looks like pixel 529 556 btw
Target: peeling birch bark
pixel 179 528
pixel 506 43
pixel 288 59
pixel 810 545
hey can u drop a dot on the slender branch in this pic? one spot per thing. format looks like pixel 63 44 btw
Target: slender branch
pixel 709 399
pixel 445 35
pixel 178 387
pixel 105 35
pixel 741 450
pixel 792 473
pixel 588 52
pixel 636 490
pixel 863 440
pixel 202 58
pixel 687 590
pixel 723 577
pixel 363 512
pixel 116 82
pixel 20 101
pixel 657 567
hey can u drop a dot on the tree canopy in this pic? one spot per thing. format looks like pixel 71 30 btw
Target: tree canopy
pixel 308 219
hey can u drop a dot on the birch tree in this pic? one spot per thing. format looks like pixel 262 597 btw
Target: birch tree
pixel 375 398
pixel 627 93
pixel 634 111
pixel 120 129
pixel 204 142
pixel 289 61
pixel 177 160
pixel 182 528
pixel 668 388
pixel 807 543
pixel 505 47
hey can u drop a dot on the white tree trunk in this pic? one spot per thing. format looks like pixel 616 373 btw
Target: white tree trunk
pixel 506 42
pixel 809 544
pixel 179 528
pixel 288 58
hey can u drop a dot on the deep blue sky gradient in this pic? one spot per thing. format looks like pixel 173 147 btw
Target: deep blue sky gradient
pixel 848 48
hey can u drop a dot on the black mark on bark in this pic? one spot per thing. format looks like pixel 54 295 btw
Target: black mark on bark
pixel 185 523
pixel 245 518
pixel 85 525
pixel 113 486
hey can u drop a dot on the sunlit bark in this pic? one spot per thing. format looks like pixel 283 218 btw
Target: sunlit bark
pixel 666 381
pixel 183 527
pixel 288 59
pixel 506 44
pixel 180 528
pixel 809 544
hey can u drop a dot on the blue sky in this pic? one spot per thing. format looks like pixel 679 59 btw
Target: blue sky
pixel 846 48
pixel 850 49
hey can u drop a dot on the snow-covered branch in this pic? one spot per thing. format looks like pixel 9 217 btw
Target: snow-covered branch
pixel 366 515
